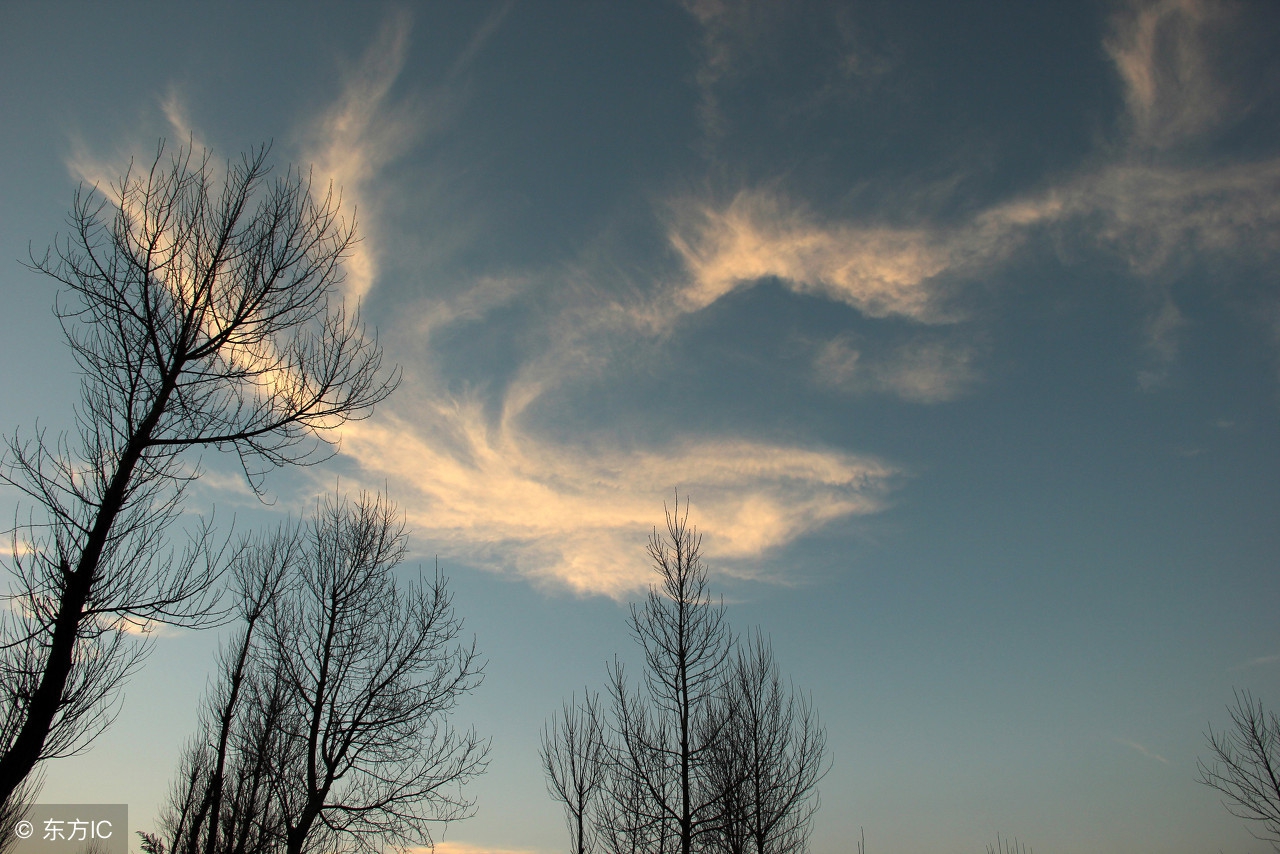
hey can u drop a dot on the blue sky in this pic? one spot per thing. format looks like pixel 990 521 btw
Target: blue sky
pixel 957 324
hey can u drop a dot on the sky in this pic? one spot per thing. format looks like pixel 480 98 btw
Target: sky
pixel 957 324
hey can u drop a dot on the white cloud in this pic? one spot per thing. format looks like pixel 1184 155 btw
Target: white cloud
pixel 104 173
pixel 1260 661
pixel 1161 331
pixel 495 494
pixel 1155 215
pixel 10 548
pixel 472 304
pixel 480 38
pixel 730 28
pixel 1150 754
pixel 175 113
pixel 362 133
pixel 1153 210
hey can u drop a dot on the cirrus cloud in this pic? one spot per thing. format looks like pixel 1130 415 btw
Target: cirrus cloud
pixel 497 495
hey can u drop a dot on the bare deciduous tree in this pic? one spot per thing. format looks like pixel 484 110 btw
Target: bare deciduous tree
pixel 624 819
pixel 574 760
pixel 1005 846
pixel 371 672
pixel 199 315
pixel 710 752
pixel 666 732
pixel 340 736
pixel 12 811
pixel 219 802
pixel 1245 766
pixel 770 754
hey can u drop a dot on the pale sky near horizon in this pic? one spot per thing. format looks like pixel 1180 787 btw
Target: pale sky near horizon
pixel 957 323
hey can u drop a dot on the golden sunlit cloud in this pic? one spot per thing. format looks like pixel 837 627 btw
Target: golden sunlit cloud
pixel 498 496
pixel 1167 55
pixel 494 492
pixel 362 133
pixel 879 271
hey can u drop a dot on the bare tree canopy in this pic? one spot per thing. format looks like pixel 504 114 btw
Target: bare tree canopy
pixel 199 313
pixel 574 760
pixel 220 801
pixel 1005 846
pixel 710 752
pixel 329 728
pixel 1245 766
pixel 768 757
pixel 666 732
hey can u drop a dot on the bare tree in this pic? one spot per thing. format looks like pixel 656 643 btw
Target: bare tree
pixel 248 818
pixel 575 761
pixel 340 736
pixel 1245 766
pixel 625 821
pixel 666 730
pixel 1004 846
pixel 768 757
pixel 209 808
pixel 710 751
pixel 12 811
pixel 199 315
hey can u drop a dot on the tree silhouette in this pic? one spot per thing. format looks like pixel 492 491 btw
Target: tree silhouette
pixel 770 754
pixel 220 800
pixel 667 729
pixel 1245 766
pixel 199 314
pixel 335 729
pixel 709 752
pixel 574 760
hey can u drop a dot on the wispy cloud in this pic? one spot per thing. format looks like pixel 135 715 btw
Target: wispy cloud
pixel 1145 197
pixel 175 113
pixel 498 495
pixel 471 304
pixel 882 271
pixel 363 132
pixel 9 548
pixel 879 271
pixel 1162 50
pixel 1133 745
pixel 103 172
pixel 481 37
pixel 145 629
pixel 1153 200
pixel 482 482
pixel 726 28
pixel 1260 661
